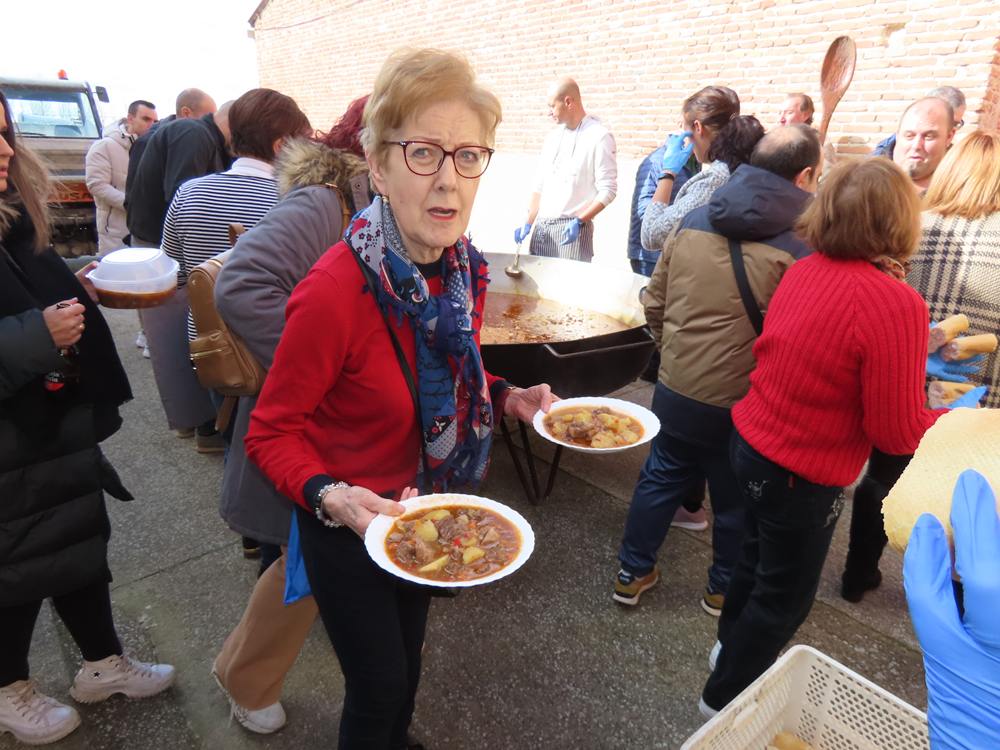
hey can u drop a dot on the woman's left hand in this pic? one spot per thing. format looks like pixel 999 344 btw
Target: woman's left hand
pixel 87 284
pixel 523 403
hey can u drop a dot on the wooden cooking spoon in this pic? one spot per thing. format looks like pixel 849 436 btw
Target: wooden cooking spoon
pixel 835 77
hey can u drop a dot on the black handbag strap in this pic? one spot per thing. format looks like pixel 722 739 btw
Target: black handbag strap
pixel 411 381
pixel 743 284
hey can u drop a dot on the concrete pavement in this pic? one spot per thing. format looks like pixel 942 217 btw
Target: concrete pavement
pixel 543 659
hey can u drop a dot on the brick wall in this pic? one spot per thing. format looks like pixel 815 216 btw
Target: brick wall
pixel 636 61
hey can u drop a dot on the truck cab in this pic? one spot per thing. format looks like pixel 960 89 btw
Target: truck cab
pixel 59 120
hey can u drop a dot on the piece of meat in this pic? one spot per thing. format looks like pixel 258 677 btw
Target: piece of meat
pixel 395 537
pixel 452 568
pixel 406 552
pixel 490 539
pixel 447 528
pixel 425 551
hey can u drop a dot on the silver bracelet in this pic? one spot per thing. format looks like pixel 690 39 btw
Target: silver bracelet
pixel 321 496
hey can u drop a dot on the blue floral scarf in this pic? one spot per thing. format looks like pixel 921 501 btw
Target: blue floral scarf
pixel 456 415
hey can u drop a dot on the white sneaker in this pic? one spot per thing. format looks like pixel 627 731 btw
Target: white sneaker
pixel 99 680
pixel 713 655
pixel 706 710
pixel 265 720
pixel 140 340
pixel 145 352
pixel 33 718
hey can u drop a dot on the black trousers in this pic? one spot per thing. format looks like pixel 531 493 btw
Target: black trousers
pixel 868 539
pixel 86 614
pixel 376 624
pixel 789 526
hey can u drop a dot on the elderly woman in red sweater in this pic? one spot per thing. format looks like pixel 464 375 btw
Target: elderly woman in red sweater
pixel 840 370
pixel 377 384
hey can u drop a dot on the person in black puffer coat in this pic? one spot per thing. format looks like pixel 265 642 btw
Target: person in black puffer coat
pixel 61 384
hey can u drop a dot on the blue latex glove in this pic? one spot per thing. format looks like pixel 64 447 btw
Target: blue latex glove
pixel 521 233
pixel 970 400
pixel 676 152
pixel 954 371
pixel 296 583
pixel 961 656
pixel 571 232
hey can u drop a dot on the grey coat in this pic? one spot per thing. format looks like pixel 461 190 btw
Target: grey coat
pixel 250 294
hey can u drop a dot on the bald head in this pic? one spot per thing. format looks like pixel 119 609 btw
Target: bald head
pixel 792 152
pixel 954 97
pixel 194 103
pixel 925 131
pixel 222 119
pixel 565 104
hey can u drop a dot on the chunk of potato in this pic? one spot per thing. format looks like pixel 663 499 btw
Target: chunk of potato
pixel 427 531
pixel 603 439
pixel 437 515
pixel 468 541
pixel 436 565
pixel 472 554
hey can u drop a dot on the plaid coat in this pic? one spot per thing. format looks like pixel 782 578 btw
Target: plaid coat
pixel 956 269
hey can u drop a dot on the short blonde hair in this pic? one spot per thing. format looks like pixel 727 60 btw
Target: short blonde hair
pixel 863 210
pixel 967 181
pixel 412 80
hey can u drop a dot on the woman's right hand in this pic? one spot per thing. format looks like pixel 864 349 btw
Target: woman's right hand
pixel 65 322
pixel 677 150
pixel 357 507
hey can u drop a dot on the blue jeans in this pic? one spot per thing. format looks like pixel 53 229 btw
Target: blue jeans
pixel 643 267
pixel 692 446
pixel 789 525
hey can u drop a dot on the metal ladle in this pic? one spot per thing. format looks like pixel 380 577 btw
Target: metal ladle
pixel 514 270
pixel 835 77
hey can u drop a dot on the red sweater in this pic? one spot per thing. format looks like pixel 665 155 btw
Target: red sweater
pixel 840 368
pixel 335 400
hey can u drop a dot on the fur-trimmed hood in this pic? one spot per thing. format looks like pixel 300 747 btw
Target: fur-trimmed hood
pixel 303 162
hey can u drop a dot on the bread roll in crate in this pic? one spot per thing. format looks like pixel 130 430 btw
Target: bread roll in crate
pixel 961 439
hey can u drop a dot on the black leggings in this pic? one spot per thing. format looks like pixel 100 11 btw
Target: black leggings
pixel 376 624
pixel 868 539
pixel 86 613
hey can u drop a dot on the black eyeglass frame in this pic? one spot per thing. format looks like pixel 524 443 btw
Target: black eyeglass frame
pixel 444 155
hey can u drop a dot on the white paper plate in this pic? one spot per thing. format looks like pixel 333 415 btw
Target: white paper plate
pixel 379 528
pixel 650 424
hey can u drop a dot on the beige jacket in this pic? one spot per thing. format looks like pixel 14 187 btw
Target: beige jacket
pixel 693 304
pixel 107 167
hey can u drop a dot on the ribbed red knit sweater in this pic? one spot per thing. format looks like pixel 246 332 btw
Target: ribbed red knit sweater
pixel 840 368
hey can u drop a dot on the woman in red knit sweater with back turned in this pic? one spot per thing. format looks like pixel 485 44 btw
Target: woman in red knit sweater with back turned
pixel 840 370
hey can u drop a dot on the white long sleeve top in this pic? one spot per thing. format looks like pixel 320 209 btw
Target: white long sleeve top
pixel 576 167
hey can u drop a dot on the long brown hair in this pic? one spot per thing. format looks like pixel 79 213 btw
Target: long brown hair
pixel 967 181
pixel 28 182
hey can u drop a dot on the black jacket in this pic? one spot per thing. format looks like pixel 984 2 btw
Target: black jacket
pixel 53 524
pixel 175 153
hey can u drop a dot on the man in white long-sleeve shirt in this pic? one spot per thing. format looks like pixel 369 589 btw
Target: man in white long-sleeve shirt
pixel 577 178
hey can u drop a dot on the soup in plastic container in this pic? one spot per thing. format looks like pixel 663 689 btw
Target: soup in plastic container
pixel 135 277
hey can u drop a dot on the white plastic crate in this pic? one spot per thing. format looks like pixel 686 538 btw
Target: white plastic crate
pixel 819 700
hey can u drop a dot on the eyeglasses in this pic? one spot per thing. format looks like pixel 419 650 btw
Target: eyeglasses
pixel 424 158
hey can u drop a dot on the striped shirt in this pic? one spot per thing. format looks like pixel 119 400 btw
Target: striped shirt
pixel 197 223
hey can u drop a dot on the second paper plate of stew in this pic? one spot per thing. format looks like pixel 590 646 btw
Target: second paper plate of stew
pixel 597 425
pixel 450 539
